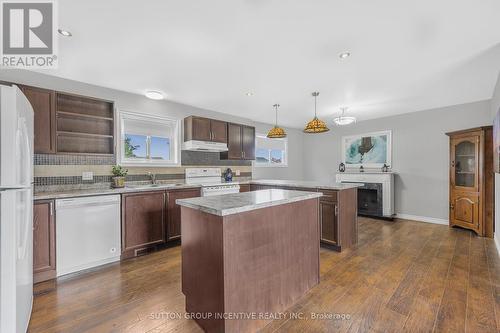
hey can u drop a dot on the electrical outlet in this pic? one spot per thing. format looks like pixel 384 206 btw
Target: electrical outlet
pixel 238 172
pixel 87 175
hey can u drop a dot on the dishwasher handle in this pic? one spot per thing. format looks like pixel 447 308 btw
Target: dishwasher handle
pixel 87 201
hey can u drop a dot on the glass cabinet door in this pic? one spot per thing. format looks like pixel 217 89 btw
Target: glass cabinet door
pixel 465 163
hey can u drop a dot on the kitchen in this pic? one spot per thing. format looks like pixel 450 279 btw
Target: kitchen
pixel 138 197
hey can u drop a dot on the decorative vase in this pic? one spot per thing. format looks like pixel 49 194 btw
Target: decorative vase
pixel 118 182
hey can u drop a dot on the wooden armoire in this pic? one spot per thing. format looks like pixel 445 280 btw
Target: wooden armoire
pixel 472 180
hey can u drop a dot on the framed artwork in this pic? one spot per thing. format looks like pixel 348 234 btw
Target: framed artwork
pixel 496 143
pixel 371 150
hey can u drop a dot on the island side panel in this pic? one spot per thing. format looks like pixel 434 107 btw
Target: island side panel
pixel 271 259
pixel 202 266
pixel 348 217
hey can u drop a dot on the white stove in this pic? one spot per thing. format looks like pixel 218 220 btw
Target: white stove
pixel 210 180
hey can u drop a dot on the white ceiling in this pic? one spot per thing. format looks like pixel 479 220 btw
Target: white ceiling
pixel 406 55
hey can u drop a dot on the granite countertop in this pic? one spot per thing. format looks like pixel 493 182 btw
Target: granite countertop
pixel 181 184
pixel 228 204
pixel 307 184
pixel 108 190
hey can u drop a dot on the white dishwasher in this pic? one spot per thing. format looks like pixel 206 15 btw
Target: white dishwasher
pixel 87 232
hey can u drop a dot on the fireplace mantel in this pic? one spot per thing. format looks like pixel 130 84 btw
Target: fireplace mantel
pixel 384 178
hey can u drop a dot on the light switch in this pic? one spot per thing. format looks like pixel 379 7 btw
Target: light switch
pixel 237 172
pixel 87 175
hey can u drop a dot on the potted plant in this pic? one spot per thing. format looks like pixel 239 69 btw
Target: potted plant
pixel 119 174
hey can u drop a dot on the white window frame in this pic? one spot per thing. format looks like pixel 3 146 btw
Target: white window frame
pixel 284 164
pixel 175 142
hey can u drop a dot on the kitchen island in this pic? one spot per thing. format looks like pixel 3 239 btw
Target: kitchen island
pixel 246 257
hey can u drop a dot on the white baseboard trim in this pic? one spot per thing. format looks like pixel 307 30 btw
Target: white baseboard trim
pixel 422 219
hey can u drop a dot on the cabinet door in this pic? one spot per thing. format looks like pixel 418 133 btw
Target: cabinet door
pixel 201 129
pixel 244 188
pixel 174 211
pixel 44 241
pixel 465 163
pixel 43 103
pixel 248 142
pixel 234 142
pixel 219 131
pixel 465 210
pixel 329 222
pixel 143 216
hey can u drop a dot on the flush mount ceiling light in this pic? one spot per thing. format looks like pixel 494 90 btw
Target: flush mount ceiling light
pixel 249 93
pixel 276 132
pixel 316 125
pixel 344 120
pixel 153 94
pixel 344 55
pixel 65 33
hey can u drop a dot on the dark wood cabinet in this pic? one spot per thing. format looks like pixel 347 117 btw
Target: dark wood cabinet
pixel 240 142
pixel 244 188
pixel 44 241
pixel 328 212
pixel 43 103
pixel 174 211
pixel 205 129
pixel 143 222
pixel 248 142
pixel 471 180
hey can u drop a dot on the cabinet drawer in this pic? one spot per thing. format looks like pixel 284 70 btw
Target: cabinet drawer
pixel 328 195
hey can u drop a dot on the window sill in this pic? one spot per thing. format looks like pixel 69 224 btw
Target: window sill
pixel 149 164
pixel 270 165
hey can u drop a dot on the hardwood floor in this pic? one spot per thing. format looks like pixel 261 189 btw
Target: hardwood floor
pixel 402 276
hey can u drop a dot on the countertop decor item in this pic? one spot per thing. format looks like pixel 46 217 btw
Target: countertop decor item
pixel 361 169
pixel 228 175
pixel 385 168
pixel 343 119
pixel 276 132
pixel 341 167
pixel 119 174
pixel 316 125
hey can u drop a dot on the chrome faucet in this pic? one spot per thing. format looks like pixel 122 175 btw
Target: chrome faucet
pixel 152 176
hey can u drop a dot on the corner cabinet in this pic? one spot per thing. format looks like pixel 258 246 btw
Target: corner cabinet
pixel 471 180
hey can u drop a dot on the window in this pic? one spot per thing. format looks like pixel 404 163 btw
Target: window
pixel 149 139
pixel 270 152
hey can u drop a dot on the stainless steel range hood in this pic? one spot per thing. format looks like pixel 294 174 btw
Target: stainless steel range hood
pixel 195 145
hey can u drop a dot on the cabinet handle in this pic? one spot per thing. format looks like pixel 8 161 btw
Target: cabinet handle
pixel 452 206
pixel 336 210
pixel 213 136
pixel 51 208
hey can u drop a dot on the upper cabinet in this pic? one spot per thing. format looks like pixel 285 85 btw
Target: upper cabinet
pixel 71 124
pixel 204 129
pixel 240 142
pixel 43 102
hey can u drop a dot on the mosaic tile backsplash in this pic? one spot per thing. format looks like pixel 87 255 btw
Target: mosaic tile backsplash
pixel 53 178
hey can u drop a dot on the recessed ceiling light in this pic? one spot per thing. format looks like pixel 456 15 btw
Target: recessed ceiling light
pixel 344 55
pixel 65 33
pixel 154 94
pixel 249 93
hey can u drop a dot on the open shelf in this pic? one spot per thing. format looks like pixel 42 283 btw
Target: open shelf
pixel 81 115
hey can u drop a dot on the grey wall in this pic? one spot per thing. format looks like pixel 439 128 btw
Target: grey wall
pixel 295 157
pixel 420 153
pixel 495 107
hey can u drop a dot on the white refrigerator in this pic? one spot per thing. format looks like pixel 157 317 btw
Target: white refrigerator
pixel 16 210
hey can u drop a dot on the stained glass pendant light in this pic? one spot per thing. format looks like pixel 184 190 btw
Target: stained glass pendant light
pixel 344 120
pixel 316 125
pixel 276 132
